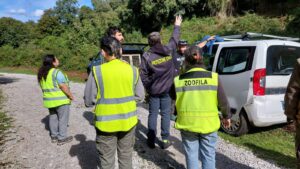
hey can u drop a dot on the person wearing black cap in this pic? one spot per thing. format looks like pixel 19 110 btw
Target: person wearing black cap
pixel 178 57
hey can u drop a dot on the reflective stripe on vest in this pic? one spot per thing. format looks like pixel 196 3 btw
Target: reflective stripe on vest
pixel 196 101
pixel 193 88
pixel 115 110
pixel 56 98
pixel 53 96
pixel 104 100
pixel 116 116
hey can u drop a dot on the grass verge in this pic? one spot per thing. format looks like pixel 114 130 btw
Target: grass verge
pixel 271 143
pixel 75 76
pixel 5 121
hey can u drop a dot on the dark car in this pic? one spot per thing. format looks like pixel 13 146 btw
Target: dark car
pixel 132 53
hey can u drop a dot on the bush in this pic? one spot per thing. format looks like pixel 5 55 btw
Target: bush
pixel 7 55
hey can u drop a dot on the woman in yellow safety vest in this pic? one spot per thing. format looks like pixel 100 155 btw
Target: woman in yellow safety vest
pixel 56 97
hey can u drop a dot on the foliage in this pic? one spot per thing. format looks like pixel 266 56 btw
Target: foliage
pixel 7 54
pixel 13 32
pixel 195 28
pixel 49 24
pixel 221 8
pixel 293 26
pixel 150 16
pixel 66 11
pixel 73 33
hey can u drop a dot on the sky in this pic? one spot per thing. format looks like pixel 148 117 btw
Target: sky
pixel 25 10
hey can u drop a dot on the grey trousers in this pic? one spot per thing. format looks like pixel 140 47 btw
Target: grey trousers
pixel 58 121
pixel 108 143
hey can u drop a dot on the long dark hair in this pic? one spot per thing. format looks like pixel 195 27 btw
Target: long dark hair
pixel 47 65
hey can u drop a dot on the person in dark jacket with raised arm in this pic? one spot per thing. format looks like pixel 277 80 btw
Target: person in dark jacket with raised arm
pixel 157 72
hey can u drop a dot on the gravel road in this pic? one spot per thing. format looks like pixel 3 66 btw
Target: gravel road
pixel 28 144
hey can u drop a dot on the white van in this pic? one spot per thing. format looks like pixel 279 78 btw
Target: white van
pixel 255 74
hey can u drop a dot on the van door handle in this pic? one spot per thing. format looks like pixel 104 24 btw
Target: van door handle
pixel 251 79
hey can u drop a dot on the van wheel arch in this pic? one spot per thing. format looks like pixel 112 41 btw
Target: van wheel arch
pixel 240 126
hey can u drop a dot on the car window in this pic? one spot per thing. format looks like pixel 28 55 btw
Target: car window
pixel 134 59
pixel 209 58
pixel 281 59
pixel 235 60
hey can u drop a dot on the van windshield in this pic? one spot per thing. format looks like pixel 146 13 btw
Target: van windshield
pixel 281 59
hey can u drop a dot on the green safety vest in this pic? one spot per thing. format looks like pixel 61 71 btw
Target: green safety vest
pixel 116 107
pixel 53 96
pixel 197 101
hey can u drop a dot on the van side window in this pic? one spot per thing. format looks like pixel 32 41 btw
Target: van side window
pixel 235 60
pixel 281 59
pixel 209 58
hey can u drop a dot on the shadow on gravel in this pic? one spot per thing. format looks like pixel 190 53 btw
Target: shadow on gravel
pixel 45 121
pixel 85 151
pixel 223 162
pixel 158 156
pixel 281 159
pixel 89 116
pixel 6 80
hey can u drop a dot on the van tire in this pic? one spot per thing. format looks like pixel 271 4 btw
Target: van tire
pixel 239 128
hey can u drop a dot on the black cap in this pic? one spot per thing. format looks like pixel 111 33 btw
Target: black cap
pixel 182 42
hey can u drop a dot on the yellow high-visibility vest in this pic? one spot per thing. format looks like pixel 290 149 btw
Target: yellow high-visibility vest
pixel 116 107
pixel 197 101
pixel 53 96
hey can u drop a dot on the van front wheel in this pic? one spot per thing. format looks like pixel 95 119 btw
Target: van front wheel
pixel 239 125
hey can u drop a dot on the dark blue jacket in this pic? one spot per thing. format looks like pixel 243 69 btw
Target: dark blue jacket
pixel 157 69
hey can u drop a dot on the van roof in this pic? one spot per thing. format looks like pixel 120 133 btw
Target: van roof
pixel 269 42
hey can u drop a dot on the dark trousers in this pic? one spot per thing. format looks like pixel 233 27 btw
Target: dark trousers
pixel 108 143
pixel 159 104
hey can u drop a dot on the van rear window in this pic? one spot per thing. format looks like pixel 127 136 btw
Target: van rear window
pixel 281 59
pixel 234 60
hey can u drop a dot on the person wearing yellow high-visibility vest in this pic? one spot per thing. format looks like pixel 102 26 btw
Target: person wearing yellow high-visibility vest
pixel 199 93
pixel 57 98
pixel 114 88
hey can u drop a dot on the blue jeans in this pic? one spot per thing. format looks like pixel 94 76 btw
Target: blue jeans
pixel 199 146
pixel 156 103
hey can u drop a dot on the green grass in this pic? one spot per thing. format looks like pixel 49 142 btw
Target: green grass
pixel 29 71
pixel 75 76
pixel 271 143
pixel 5 121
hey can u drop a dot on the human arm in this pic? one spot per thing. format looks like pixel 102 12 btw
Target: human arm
pixel 139 91
pixel 202 44
pixel 175 35
pixel 65 88
pixel 90 91
pixel 62 84
pixel 291 98
pixel 223 105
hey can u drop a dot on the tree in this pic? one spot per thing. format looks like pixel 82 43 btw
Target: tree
pixel 13 32
pixel 66 11
pixel 101 5
pixel 151 15
pixel 49 24
pixel 221 8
